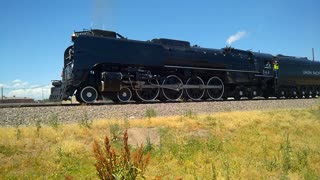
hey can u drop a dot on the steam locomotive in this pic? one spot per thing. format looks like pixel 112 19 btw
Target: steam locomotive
pixel 105 65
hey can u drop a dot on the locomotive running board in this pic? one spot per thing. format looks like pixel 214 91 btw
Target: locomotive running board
pixel 172 87
pixel 178 87
pixel 209 69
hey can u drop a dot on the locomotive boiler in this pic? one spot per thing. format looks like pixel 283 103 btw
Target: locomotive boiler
pixel 105 65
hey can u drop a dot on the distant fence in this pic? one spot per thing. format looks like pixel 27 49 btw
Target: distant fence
pixel 11 94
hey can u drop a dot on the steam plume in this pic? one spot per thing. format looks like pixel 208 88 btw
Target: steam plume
pixel 102 14
pixel 235 37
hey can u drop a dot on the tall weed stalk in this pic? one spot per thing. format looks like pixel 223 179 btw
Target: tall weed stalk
pixel 111 164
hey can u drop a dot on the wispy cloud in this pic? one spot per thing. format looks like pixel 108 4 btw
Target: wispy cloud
pixel 235 37
pixel 36 93
pixel 20 88
pixel 19 83
pixel 16 81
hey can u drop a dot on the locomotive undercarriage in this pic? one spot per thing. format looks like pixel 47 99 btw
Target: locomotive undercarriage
pixel 181 86
pixel 297 92
pixel 142 86
pixel 176 85
pixel 170 88
pixel 182 92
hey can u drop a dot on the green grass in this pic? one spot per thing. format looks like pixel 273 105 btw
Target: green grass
pixel 274 144
pixel 150 113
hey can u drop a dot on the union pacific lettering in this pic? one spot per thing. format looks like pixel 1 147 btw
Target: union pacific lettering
pixel 317 73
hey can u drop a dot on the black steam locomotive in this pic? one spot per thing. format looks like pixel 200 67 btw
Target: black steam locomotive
pixel 105 65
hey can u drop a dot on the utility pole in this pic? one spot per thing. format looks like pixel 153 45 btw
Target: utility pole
pixel 312 54
pixel 42 93
pixel 1 94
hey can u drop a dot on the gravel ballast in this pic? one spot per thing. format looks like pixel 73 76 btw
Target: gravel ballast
pixel 69 114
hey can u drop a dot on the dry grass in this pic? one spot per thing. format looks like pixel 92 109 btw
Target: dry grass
pixel 237 145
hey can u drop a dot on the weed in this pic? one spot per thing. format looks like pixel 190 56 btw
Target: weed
pixel 150 113
pixel 214 144
pixel 286 152
pixel 113 165
pixel 191 147
pixel 302 158
pixel 210 121
pixel 163 132
pixel 18 133
pixel 84 121
pixel 126 123
pixel 38 127
pixel 310 174
pixel 149 146
pixel 226 164
pixel 17 124
pixel 115 131
pixel 190 114
pixel 214 172
pixel 53 121
pixel 68 162
pixel 269 164
pixel 7 150
pixel 184 150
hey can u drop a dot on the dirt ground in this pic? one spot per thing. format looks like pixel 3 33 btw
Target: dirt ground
pixel 138 136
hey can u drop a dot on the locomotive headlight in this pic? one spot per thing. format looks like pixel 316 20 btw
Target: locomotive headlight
pixel 73 37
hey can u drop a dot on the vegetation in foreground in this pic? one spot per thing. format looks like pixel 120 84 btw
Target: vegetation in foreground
pixel 277 144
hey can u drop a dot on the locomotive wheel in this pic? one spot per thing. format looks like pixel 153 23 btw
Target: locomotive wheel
pixel 174 92
pixel 314 93
pixel 252 92
pixel 148 94
pixel 317 92
pixel 136 98
pixel 161 97
pixel 195 93
pixel 302 94
pixel 281 93
pixel 124 95
pixel 238 94
pixel 218 90
pixel 88 94
pixel 78 98
pixel 310 93
pixel 294 94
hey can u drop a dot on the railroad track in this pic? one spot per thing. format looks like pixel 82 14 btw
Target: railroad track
pixel 28 114
pixel 101 103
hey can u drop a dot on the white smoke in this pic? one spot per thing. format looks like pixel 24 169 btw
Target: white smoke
pixel 102 14
pixel 235 37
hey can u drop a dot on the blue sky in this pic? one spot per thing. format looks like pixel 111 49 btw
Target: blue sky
pixel 34 34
